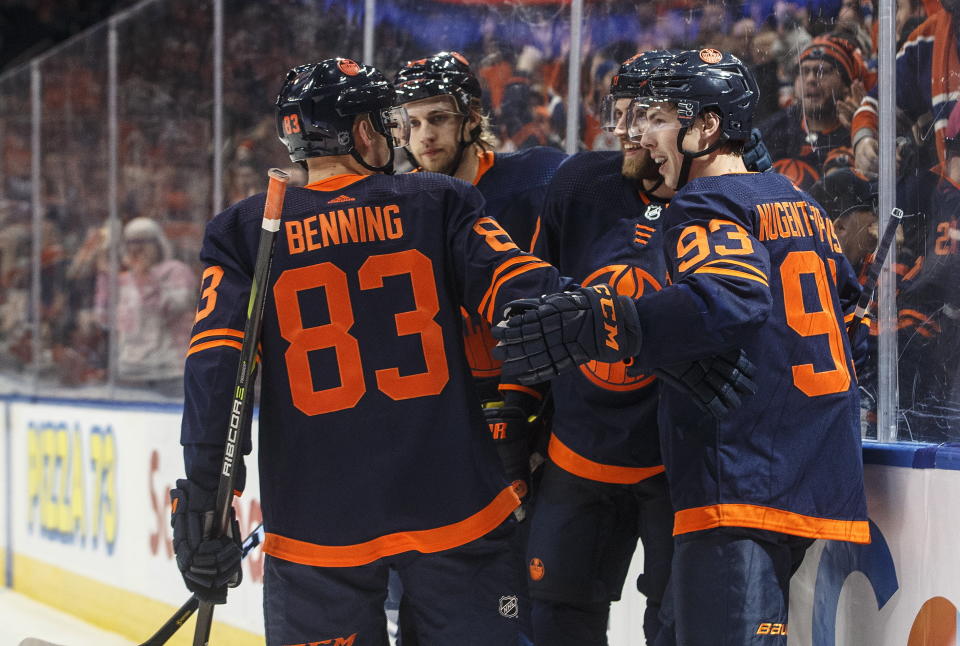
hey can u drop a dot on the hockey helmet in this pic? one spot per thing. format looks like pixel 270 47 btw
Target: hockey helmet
pixel 629 81
pixel 707 79
pixel 319 102
pixel 444 73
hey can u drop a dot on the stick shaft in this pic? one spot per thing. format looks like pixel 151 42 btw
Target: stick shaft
pixel 243 392
pixel 180 617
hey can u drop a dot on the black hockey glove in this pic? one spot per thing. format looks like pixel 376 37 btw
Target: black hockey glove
pixel 715 384
pixel 541 338
pixel 510 422
pixel 208 565
pixel 756 157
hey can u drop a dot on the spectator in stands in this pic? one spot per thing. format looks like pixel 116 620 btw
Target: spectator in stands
pixel 910 15
pixel 929 311
pixel 928 79
pixel 800 137
pixel 154 310
pixel 851 204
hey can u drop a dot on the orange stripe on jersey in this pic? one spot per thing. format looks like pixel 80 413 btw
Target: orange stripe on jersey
pixel 504 266
pixel 214 344
pixel 224 331
pixel 488 314
pixel 572 462
pixel 776 520
pixel 738 263
pixel 730 272
pixel 335 182
pixel 520 389
pixel 426 541
pixel 536 235
pixel 646 228
pixel 486 163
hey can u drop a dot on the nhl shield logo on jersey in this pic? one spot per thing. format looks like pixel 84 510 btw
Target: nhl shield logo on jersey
pixel 630 281
pixel 653 211
pixel 509 606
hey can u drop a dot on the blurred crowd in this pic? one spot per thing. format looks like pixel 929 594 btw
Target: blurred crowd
pixel 118 304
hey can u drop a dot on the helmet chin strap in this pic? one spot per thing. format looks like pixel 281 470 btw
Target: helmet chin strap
pixel 653 189
pixel 386 169
pixel 688 156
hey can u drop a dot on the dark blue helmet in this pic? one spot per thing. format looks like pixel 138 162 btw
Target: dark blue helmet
pixel 629 82
pixel 444 73
pixel 704 79
pixel 635 70
pixel 319 102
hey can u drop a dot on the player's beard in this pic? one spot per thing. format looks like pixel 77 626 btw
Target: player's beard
pixel 640 167
pixel 445 164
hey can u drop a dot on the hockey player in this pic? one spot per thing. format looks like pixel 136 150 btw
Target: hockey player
pixel 373 450
pixel 756 265
pixel 603 487
pixel 447 135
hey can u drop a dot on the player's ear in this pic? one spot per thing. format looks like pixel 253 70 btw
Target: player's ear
pixel 711 125
pixel 363 131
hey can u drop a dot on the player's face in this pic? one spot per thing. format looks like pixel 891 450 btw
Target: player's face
pixel 820 86
pixel 637 163
pixel 435 130
pixel 659 137
pixel 857 233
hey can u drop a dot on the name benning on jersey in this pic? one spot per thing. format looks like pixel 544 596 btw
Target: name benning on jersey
pixel 344 226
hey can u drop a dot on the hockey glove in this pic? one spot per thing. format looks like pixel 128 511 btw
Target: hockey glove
pixel 715 384
pixel 541 338
pixel 756 157
pixel 510 422
pixel 208 565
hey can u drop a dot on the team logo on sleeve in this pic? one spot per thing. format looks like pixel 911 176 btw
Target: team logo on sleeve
pixel 630 281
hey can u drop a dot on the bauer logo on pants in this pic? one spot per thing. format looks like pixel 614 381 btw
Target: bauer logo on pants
pixel 508 607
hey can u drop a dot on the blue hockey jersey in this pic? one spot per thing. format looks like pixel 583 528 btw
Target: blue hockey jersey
pixel 756 265
pixel 372 440
pixel 513 186
pixel 596 227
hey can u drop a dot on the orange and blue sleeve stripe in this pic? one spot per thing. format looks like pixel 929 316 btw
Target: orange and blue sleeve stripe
pixel 217 338
pixel 734 268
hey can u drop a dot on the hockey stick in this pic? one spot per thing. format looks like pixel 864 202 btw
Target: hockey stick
pixel 243 393
pixel 180 617
pixel 166 631
pixel 873 272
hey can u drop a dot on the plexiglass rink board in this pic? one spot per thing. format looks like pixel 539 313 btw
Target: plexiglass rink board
pixel 165 165
pixel 16 188
pixel 74 207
